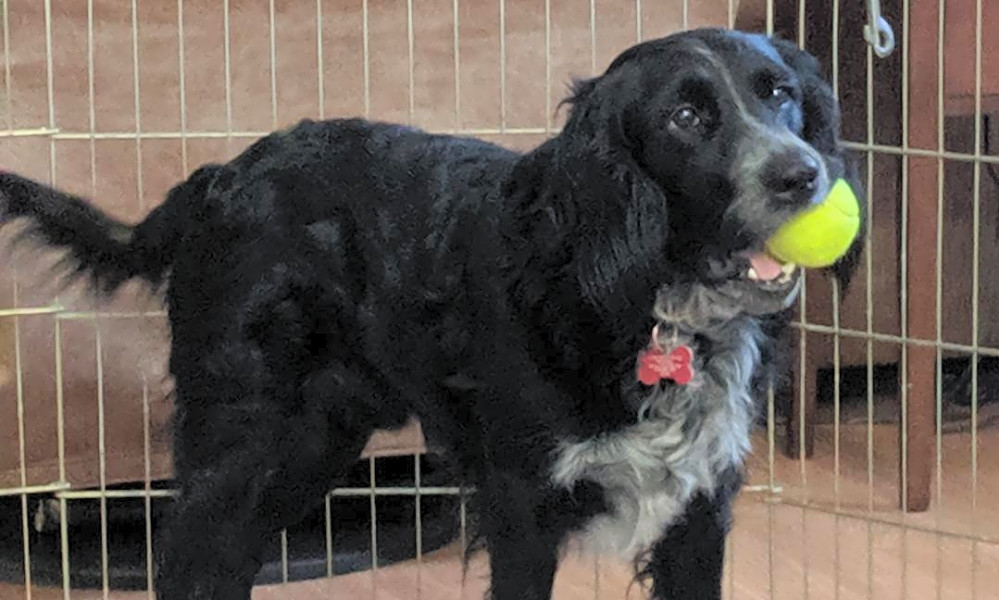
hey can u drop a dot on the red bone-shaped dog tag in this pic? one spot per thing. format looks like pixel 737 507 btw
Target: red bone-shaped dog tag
pixel 655 364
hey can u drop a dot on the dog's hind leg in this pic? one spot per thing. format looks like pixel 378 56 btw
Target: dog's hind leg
pixel 272 406
pixel 245 472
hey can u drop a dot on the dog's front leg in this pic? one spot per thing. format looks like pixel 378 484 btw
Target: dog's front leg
pixel 523 545
pixel 687 563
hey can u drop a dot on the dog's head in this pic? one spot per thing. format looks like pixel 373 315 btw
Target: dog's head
pixel 732 134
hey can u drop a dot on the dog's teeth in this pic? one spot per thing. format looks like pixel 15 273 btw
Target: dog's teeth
pixel 751 274
pixel 786 271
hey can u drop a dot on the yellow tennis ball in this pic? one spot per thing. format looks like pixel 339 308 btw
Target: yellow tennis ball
pixel 820 235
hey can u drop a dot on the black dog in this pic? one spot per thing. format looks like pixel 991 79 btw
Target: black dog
pixel 584 328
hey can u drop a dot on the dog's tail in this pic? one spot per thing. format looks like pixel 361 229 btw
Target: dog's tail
pixel 100 247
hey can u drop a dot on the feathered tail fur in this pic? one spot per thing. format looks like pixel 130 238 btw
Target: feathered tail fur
pixel 100 247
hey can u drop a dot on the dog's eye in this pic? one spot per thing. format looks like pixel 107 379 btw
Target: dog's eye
pixel 782 93
pixel 685 117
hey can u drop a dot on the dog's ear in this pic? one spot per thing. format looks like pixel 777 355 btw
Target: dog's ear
pixel 844 269
pixel 821 129
pixel 621 218
pixel 587 203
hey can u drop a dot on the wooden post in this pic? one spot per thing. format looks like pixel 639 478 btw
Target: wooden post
pixel 920 265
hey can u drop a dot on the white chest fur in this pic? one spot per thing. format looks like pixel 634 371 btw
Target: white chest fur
pixel 685 438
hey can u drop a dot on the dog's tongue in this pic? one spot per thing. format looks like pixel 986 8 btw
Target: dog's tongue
pixel 767 269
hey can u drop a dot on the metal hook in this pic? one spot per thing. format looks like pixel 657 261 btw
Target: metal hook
pixel 878 32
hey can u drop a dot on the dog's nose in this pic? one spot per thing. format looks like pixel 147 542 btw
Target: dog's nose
pixel 794 176
pixel 801 175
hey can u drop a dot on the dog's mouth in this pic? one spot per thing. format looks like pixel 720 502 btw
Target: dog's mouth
pixel 767 271
pixel 764 284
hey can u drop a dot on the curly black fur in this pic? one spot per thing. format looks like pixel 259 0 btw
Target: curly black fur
pixel 343 276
